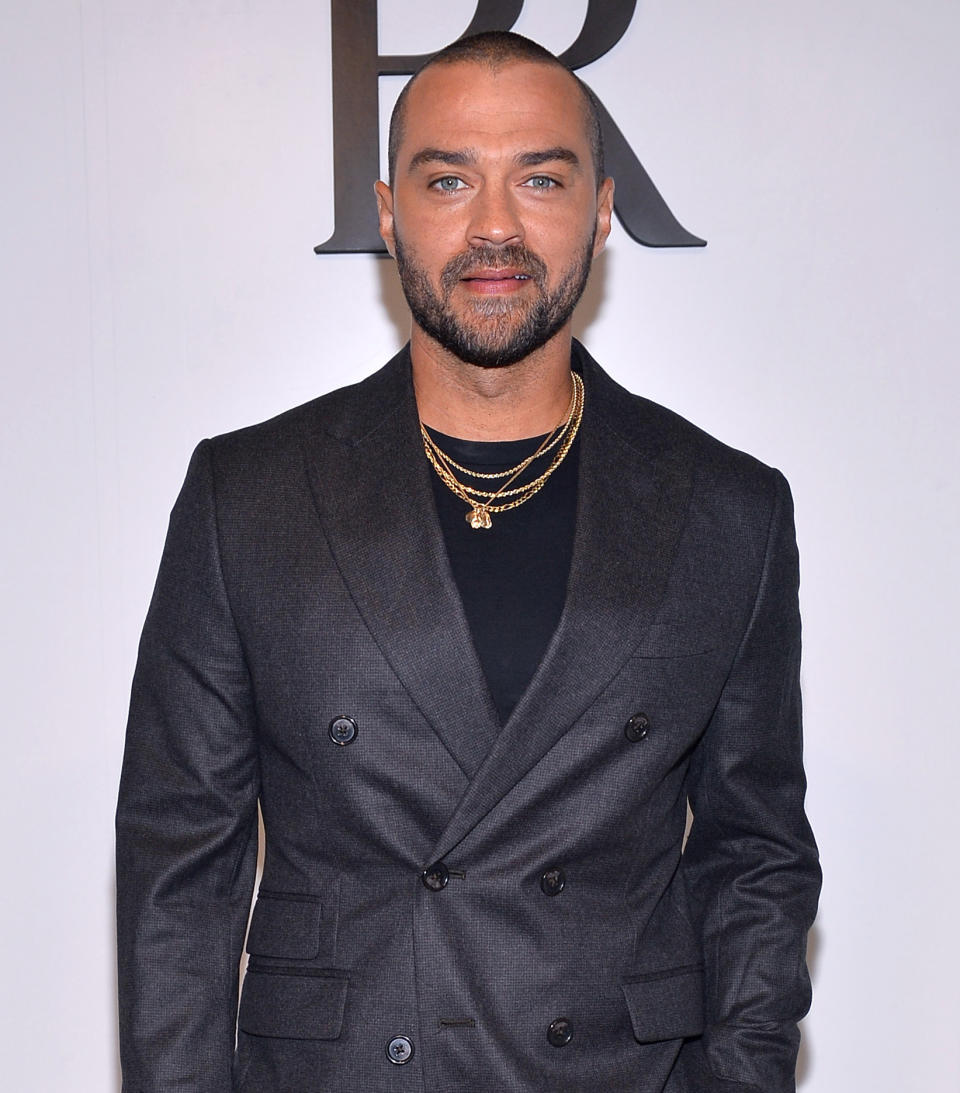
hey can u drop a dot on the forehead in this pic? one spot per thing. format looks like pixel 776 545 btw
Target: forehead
pixel 518 105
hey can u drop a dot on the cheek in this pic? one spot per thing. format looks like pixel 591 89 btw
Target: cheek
pixel 561 242
pixel 425 228
pixel 428 246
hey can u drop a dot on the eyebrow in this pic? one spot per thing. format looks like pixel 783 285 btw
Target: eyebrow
pixel 462 157
pixel 467 157
pixel 548 155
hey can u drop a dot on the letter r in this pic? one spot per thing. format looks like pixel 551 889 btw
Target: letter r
pixel 357 67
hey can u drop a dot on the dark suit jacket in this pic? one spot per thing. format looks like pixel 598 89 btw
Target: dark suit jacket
pixel 305 579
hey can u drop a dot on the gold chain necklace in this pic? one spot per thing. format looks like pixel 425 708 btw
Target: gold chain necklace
pixel 557 435
pixel 481 502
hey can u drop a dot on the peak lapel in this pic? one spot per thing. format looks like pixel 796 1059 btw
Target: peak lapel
pixel 632 500
pixel 372 489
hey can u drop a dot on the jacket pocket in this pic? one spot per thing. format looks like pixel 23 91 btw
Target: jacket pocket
pixel 293 1003
pixel 289 926
pixel 665 1005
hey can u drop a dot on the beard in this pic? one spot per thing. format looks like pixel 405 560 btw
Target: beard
pixel 492 332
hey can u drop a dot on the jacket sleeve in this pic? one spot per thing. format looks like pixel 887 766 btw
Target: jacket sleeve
pixel 186 817
pixel 750 863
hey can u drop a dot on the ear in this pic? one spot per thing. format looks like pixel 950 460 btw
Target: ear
pixel 604 215
pixel 385 214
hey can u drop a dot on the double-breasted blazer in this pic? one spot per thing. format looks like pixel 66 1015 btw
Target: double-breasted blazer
pixel 448 904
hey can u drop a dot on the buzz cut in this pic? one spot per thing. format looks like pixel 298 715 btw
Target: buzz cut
pixel 494 49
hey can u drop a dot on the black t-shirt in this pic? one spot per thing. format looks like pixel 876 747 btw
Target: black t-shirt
pixel 512 577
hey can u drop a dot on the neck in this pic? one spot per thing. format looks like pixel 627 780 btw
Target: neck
pixel 521 400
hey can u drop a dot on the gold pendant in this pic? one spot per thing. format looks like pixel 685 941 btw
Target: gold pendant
pixel 479 518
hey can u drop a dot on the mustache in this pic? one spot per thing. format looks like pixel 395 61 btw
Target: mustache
pixel 512 256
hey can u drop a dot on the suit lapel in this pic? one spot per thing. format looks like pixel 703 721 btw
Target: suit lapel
pixel 372 489
pixel 632 499
pixel 375 500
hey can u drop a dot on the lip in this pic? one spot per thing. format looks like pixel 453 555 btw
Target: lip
pixel 509 279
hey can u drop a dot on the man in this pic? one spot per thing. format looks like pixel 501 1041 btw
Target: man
pixel 472 632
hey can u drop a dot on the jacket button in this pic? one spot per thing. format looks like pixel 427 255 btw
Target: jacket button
pixel 400 1050
pixel 343 730
pixel 552 882
pixel 436 876
pixel 560 1032
pixel 637 727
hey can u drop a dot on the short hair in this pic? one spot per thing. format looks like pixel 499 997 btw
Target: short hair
pixel 496 48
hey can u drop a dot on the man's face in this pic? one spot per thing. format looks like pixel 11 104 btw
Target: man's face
pixel 494 216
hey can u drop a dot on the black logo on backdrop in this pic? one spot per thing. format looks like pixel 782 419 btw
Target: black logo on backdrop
pixel 357 66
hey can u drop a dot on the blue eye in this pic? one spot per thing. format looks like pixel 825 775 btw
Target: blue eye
pixel 541 182
pixel 449 184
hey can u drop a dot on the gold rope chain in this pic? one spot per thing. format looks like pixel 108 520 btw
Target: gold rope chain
pixel 550 442
pixel 557 435
pixel 481 501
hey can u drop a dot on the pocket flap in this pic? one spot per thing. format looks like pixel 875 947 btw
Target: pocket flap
pixel 285 926
pixel 297 1004
pixel 666 1005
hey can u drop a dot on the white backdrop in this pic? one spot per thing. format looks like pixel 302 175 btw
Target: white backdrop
pixel 166 173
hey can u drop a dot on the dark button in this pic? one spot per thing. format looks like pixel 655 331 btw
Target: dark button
pixel 552 882
pixel 436 876
pixel 400 1050
pixel 637 727
pixel 560 1032
pixel 343 730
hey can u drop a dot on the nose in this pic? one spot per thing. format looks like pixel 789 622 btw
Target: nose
pixel 494 218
